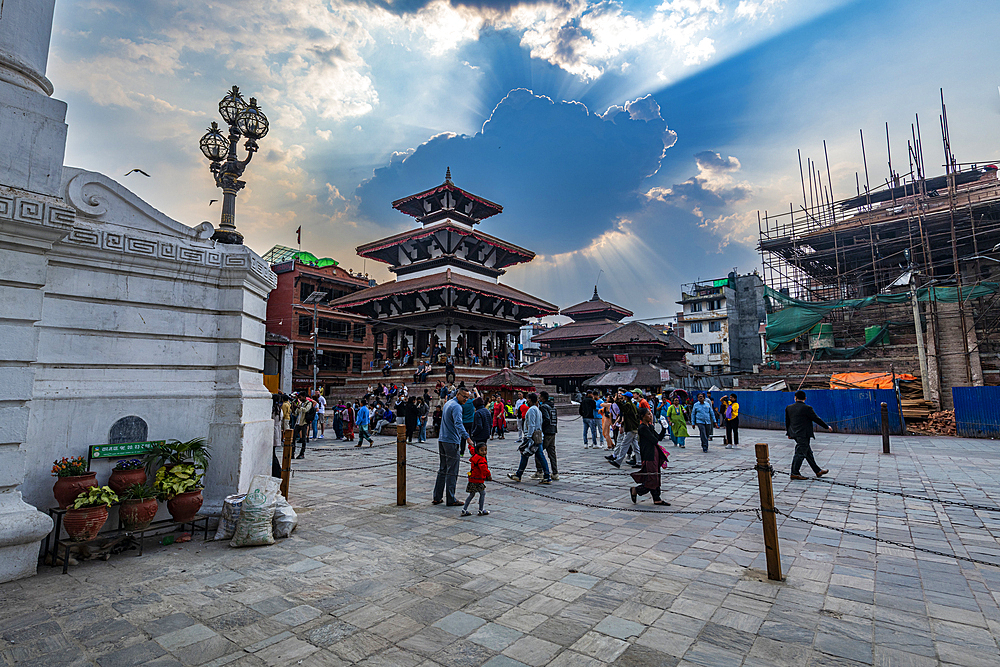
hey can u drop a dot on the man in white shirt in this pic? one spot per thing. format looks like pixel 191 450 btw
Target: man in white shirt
pixel 518 401
pixel 320 415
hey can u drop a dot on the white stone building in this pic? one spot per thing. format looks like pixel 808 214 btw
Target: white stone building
pixel 721 319
pixel 110 309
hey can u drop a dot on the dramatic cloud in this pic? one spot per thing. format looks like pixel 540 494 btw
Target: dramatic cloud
pixel 711 190
pixel 563 173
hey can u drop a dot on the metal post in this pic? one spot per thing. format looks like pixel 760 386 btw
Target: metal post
pixel 315 343
pixel 767 511
pixel 885 428
pixel 287 448
pixel 401 465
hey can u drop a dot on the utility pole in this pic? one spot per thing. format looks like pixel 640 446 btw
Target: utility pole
pixel 314 299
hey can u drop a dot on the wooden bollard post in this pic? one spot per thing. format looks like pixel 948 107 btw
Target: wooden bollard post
pixel 287 448
pixel 767 512
pixel 401 465
pixel 885 428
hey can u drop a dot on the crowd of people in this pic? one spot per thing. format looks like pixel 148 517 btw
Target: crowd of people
pixel 624 422
pixel 422 362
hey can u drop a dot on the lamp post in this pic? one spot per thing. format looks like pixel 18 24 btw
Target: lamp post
pixel 314 298
pixel 244 120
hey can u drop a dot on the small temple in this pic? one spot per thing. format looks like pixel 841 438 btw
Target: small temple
pixel 447 295
pixel 639 355
pixel 572 356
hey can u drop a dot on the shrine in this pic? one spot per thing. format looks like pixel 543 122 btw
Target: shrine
pixel 447 299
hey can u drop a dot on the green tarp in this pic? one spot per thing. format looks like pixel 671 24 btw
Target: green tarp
pixel 798 317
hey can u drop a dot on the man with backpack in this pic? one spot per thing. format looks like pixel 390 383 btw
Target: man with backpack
pixel 549 429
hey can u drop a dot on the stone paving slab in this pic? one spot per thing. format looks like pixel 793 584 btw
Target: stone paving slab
pixel 570 574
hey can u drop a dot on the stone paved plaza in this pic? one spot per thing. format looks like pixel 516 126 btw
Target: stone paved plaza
pixel 542 581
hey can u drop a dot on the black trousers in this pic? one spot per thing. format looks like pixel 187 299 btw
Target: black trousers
pixel 803 451
pixel 641 491
pixel 733 431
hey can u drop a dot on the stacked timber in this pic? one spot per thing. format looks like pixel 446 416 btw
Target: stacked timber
pixel 914 409
pixel 937 423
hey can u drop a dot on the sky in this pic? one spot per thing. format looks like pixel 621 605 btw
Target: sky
pixel 630 143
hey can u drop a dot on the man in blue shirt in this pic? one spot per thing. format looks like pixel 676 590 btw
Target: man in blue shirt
pixel 703 416
pixel 363 421
pixel 450 438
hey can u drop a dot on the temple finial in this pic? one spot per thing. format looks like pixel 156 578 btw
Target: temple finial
pixel 595 297
pixel 447 176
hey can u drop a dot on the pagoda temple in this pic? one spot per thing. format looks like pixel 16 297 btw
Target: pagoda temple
pixel 572 356
pixel 447 290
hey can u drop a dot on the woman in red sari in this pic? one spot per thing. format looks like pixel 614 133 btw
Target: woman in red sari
pixel 499 418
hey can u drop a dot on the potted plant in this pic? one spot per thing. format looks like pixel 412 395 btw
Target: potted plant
pixel 181 487
pixel 174 452
pixel 126 473
pixel 85 518
pixel 73 479
pixel 138 507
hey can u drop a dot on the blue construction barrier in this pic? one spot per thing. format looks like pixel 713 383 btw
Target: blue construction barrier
pixel 976 411
pixel 846 410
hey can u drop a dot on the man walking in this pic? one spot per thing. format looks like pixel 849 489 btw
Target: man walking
pixel 703 417
pixel 630 428
pixel 587 408
pixel 452 436
pixel 363 421
pixel 549 430
pixel 529 446
pixel 518 402
pixel 799 419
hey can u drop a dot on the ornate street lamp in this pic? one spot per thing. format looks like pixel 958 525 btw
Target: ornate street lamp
pixel 244 120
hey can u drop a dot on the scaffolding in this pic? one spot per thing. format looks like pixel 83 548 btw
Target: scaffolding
pixel 940 231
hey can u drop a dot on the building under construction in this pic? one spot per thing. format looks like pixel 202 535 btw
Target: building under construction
pixel 901 278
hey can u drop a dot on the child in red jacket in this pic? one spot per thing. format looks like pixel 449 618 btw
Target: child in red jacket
pixel 478 476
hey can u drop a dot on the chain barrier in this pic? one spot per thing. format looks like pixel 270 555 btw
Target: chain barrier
pixel 956 503
pixel 768 468
pixel 885 541
pixel 377 465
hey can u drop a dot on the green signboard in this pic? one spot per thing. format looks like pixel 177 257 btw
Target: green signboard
pixel 122 450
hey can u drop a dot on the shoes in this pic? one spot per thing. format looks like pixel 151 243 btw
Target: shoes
pixel 798 477
pixel 615 463
pixel 514 477
pixel 358 445
pixel 536 475
pixel 660 502
pixel 466 513
pixel 555 478
pixel 636 465
pixel 319 437
pixel 483 512
pixel 705 449
pixel 635 496
pixel 610 457
pixel 729 446
pixel 301 456
pixel 436 502
pixel 631 462
pixel 545 481
pixel 822 472
pixel 681 446
pixel 455 504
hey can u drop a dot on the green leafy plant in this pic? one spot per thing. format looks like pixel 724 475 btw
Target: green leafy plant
pixel 138 492
pixel 175 452
pixel 181 478
pixel 95 496
pixel 69 467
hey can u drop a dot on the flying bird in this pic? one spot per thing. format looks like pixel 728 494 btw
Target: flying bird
pixel 140 171
pixel 212 201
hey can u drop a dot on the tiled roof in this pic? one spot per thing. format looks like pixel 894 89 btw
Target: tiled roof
pixel 505 379
pixel 638 333
pixel 370 249
pixel 588 329
pixel 567 366
pixel 595 306
pixel 444 279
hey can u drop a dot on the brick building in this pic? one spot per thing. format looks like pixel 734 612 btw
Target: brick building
pixel 345 340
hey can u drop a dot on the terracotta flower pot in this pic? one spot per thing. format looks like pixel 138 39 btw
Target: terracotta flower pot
pixel 122 479
pixel 66 489
pixel 137 514
pixel 84 524
pixel 184 506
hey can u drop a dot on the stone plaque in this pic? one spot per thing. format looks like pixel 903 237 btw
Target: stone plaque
pixel 128 429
